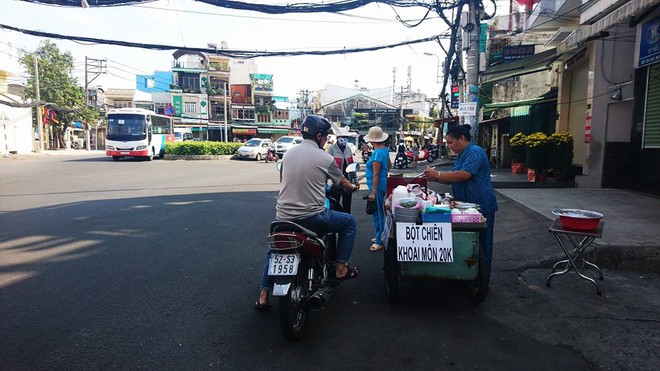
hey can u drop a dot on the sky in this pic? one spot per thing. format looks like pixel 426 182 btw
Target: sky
pixel 187 23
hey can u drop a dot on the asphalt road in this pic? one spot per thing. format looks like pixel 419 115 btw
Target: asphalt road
pixel 155 265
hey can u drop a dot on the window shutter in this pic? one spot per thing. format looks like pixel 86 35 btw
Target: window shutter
pixel 651 135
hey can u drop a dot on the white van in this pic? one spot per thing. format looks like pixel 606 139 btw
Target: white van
pixel 182 134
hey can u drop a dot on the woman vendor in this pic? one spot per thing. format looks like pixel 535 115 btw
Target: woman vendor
pixel 470 180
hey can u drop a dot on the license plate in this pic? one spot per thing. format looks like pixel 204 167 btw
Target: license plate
pixel 283 264
pixel 124 152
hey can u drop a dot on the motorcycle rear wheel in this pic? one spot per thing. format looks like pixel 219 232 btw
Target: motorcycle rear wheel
pixel 293 307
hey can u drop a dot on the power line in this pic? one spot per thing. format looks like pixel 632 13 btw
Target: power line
pixel 241 54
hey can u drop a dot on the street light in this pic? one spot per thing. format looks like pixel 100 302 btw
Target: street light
pixel 437 74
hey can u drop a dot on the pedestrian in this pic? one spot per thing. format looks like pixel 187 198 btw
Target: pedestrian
pixel 378 166
pixel 415 150
pixel 470 181
pixel 305 171
pixel 343 156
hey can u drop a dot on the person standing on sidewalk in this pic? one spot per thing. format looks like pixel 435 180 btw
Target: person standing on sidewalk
pixel 343 156
pixel 378 166
pixel 470 180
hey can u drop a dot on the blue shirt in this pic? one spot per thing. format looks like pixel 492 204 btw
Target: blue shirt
pixel 381 155
pixel 478 189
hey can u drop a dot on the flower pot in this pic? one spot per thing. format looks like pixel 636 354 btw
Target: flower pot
pixel 534 176
pixel 518 168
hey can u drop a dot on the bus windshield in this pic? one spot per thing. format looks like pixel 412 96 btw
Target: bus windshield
pixel 126 127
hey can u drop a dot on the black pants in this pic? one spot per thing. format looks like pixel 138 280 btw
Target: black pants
pixel 344 198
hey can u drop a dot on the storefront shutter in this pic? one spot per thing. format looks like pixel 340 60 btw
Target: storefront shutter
pixel 651 136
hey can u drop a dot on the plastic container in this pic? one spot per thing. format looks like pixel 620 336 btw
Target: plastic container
pixel 398 193
pixel 576 219
pixel 466 218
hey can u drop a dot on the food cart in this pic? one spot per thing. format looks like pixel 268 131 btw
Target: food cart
pixel 435 247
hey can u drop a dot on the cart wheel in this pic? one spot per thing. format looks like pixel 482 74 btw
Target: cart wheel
pixel 391 269
pixel 478 289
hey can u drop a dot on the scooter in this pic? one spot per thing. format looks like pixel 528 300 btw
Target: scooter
pixel 271 155
pixel 301 267
pixel 423 155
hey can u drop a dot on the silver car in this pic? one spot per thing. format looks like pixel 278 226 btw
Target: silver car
pixel 255 149
pixel 286 142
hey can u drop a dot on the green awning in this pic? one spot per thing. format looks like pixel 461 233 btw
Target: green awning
pixel 535 63
pixel 272 131
pixel 549 96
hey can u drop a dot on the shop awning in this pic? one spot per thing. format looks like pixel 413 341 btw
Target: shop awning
pixel 550 96
pixel 536 63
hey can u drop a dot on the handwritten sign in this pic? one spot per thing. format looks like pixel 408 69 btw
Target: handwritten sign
pixel 428 242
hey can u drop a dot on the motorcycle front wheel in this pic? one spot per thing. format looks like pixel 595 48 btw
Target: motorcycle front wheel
pixel 293 307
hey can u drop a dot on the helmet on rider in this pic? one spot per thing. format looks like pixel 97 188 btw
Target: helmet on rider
pixel 314 125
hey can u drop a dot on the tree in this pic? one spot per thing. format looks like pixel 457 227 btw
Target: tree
pixel 57 86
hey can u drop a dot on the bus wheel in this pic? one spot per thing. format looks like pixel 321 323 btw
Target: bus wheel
pixel 116 158
pixel 151 155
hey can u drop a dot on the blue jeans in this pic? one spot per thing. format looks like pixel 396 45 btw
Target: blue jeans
pixel 379 216
pixel 327 221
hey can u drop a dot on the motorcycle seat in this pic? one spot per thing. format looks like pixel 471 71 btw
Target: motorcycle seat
pixel 287 226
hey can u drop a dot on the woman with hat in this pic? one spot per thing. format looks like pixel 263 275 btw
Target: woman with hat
pixel 378 166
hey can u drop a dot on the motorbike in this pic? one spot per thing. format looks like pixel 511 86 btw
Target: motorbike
pixel 406 159
pixel 366 153
pixel 424 154
pixel 271 155
pixel 302 267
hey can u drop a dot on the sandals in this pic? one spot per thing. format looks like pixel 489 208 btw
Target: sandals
pixel 262 307
pixel 375 247
pixel 352 272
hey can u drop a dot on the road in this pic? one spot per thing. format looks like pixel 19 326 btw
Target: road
pixel 155 265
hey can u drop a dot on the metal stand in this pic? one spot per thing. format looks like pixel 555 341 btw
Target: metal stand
pixel 579 248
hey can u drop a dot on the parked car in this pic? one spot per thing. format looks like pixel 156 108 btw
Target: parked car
pixel 182 134
pixel 255 148
pixel 284 143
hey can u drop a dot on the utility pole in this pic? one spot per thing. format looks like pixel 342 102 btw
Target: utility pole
pixel 472 29
pixel 225 100
pixel 95 67
pixel 40 122
pixel 304 94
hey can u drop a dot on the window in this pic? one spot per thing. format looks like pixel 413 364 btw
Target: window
pixel 189 81
pixel 190 107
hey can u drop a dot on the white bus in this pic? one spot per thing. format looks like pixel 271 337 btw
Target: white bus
pixel 136 132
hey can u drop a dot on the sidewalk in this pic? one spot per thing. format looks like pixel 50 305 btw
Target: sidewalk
pixel 631 235
pixel 617 330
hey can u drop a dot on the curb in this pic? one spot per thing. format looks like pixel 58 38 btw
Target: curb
pixel 198 157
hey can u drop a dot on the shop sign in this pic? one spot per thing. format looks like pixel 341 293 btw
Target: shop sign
pixel 510 53
pixel 467 109
pixel 428 242
pixel 177 102
pixel 244 131
pixel 649 47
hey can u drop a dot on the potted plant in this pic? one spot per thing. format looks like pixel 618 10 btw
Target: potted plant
pixel 561 156
pixel 537 156
pixel 517 144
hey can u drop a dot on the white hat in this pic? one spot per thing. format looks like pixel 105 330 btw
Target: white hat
pixel 375 135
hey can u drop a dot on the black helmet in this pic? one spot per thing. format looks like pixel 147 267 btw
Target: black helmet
pixel 314 125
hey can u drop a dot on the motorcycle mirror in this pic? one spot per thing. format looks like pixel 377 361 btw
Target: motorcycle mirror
pixel 353 168
pixel 278 166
